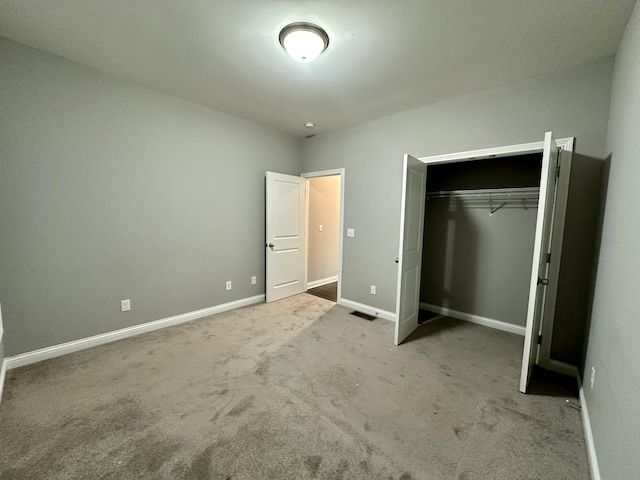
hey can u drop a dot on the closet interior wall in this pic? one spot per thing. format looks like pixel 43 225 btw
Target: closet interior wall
pixel 474 261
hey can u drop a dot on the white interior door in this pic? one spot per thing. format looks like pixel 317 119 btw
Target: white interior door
pixel 285 235
pixel 541 248
pixel 414 186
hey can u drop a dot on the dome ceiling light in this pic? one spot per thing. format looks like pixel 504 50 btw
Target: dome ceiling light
pixel 303 41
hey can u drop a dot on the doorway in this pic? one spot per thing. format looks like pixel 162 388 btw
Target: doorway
pixel 323 263
pixel 288 224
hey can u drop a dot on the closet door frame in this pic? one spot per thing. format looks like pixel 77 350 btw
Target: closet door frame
pixel 566 145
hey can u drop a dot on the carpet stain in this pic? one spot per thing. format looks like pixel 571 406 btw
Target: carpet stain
pixel 313 464
pixel 241 406
pixel 201 465
pixel 263 367
pixel 112 422
pixel 147 454
pixel 367 427
pixel 462 431
pixel 406 476
pixel 342 468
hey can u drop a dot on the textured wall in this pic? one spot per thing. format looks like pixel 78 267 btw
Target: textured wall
pixel 111 191
pixel 572 102
pixel 614 401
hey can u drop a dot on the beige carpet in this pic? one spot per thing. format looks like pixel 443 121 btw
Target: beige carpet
pixel 295 389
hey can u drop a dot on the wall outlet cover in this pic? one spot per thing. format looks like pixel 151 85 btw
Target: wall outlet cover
pixel 125 305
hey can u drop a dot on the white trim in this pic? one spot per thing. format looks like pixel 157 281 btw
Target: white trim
pixel 561 367
pixel 369 310
pixel 88 342
pixel 557 239
pixel 323 173
pixel 468 317
pixel 328 173
pixel 510 150
pixel 507 151
pixel 307 194
pixel 3 376
pixel 588 434
pixel 322 281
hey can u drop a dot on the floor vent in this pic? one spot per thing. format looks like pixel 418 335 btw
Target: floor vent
pixel 363 315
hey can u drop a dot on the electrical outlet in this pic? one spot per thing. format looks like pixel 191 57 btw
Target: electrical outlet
pixel 254 280
pixel 125 305
pixel 593 375
pixel 373 289
pixel 351 232
pixel 229 285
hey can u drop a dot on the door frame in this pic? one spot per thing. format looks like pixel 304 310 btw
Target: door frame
pixel 325 173
pixel 567 146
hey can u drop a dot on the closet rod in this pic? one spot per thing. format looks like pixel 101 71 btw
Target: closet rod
pixel 492 193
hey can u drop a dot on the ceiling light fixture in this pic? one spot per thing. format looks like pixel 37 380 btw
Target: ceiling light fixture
pixel 303 41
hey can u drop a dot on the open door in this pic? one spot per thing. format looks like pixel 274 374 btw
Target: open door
pixel 541 247
pixel 285 235
pixel 414 187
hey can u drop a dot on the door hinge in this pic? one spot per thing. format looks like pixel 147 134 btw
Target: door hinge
pixel 558 171
pixel 548 258
pixel 539 339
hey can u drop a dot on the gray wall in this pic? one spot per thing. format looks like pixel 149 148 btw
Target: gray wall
pixel 324 209
pixel 573 102
pixel 475 262
pixel 614 401
pixel 575 286
pixel 111 191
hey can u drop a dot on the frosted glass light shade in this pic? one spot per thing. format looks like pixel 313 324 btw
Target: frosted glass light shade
pixel 304 42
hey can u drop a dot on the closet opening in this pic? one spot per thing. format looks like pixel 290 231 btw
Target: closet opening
pixel 479 228
pixel 486 220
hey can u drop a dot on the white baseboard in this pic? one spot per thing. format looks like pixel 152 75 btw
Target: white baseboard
pixel 3 375
pixel 484 321
pixel 369 310
pixel 84 343
pixel 588 434
pixel 322 281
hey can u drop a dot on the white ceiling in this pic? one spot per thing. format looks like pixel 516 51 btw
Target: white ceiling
pixel 384 56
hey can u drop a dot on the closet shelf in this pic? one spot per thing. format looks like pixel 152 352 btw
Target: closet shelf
pixel 520 193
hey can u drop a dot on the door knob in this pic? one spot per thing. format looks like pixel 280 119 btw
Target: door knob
pixel 271 245
pixel 397 260
pixel 543 281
